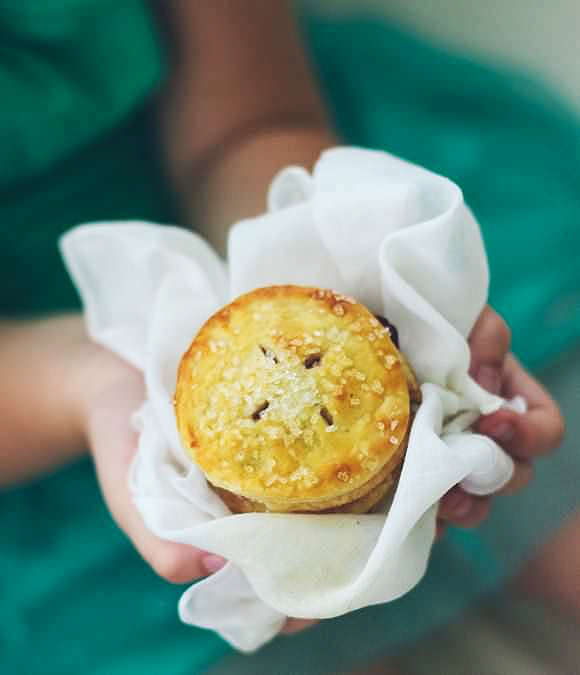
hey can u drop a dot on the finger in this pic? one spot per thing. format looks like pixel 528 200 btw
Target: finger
pixel 177 563
pixel 523 474
pixel 296 625
pixel 455 504
pixel 113 444
pixel 479 511
pixel 534 433
pixel 464 510
pixel 489 343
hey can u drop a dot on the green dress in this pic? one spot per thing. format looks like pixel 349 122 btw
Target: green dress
pixel 78 144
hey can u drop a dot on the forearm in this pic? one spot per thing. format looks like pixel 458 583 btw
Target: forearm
pixel 241 103
pixel 236 186
pixel 39 366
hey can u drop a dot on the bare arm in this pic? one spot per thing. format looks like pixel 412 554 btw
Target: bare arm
pixel 40 424
pixel 241 104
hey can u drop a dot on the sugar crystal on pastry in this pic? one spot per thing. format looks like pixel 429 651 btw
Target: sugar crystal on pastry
pixel 295 399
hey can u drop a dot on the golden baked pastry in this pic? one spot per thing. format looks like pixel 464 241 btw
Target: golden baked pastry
pixel 296 399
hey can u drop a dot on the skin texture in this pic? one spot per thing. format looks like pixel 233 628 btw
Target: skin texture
pixel 227 123
pixel 524 436
pixel 227 126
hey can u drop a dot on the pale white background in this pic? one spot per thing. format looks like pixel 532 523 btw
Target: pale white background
pixel 543 35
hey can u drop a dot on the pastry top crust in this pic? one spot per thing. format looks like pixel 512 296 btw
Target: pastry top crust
pixel 293 394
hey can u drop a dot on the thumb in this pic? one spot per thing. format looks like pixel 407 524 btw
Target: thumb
pixel 113 444
pixel 489 343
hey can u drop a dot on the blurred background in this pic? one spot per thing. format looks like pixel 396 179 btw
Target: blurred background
pixel 540 36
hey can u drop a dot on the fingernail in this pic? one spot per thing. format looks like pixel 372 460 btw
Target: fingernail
pixel 213 563
pixel 489 378
pixel 503 433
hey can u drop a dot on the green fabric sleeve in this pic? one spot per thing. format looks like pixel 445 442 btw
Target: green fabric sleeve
pixel 69 71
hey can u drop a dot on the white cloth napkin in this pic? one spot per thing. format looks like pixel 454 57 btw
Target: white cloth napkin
pixel 396 237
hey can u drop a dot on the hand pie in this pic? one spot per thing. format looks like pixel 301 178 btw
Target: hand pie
pixel 296 399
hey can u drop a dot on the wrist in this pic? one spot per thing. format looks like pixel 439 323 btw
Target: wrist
pixel 235 184
pixel 100 380
pixel 80 375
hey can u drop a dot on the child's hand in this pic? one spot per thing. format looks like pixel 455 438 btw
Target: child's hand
pixel 525 437
pixel 113 390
